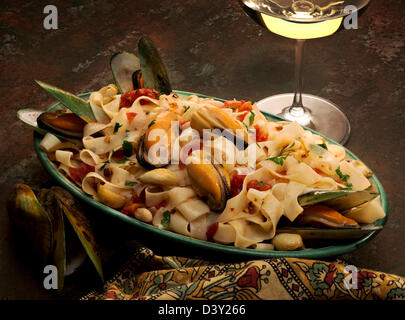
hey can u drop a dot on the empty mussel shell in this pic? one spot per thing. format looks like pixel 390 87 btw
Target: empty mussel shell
pixel 76 104
pixel 32 223
pixel 123 66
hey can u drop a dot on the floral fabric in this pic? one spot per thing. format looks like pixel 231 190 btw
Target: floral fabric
pixel 150 277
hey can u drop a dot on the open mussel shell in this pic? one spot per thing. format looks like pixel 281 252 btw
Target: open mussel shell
pixel 323 216
pixel 39 222
pixel 32 223
pixel 123 67
pixel 77 105
pixel 211 117
pixel 154 73
pixel 210 181
pixel 66 124
pixel 74 213
pixel 339 200
pixel 30 118
pixel 141 153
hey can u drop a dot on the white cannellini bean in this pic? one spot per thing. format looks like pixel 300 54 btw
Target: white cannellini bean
pixel 287 242
pixel 143 214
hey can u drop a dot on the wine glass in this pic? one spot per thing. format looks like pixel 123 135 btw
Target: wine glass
pixel 302 20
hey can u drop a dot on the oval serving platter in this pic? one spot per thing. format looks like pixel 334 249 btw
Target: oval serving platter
pixel 205 246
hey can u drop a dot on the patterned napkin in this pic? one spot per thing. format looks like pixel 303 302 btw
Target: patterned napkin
pixel 148 276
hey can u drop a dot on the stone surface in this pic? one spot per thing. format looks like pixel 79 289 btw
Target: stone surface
pixel 214 49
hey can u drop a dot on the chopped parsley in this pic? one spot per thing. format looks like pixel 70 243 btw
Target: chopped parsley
pixel 127 148
pixel 104 164
pixel 151 123
pixel 130 183
pixel 234 108
pixel 284 153
pixel 166 219
pixel 343 177
pixel 323 145
pixel 258 145
pixel 122 160
pixel 186 108
pixel 117 126
pixel 349 186
pixel 251 117
pixel 261 184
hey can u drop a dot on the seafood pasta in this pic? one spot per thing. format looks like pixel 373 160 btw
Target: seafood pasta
pixel 212 170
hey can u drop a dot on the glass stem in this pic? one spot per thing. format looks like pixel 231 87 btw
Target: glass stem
pixel 297 107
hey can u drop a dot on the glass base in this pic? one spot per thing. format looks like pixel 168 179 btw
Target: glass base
pixel 320 114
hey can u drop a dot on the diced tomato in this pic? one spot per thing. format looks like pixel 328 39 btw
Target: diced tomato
pixel 118 155
pixel 318 171
pixel 161 204
pixel 258 185
pixel 131 116
pixel 246 106
pixel 233 104
pixel 78 174
pixel 128 98
pixel 261 135
pixel 130 208
pixel 212 229
pixel 134 203
pixel 237 184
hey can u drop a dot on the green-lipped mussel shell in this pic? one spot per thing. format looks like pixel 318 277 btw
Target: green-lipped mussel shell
pixel 153 70
pixel 339 200
pixel 32 223
pixel 77 105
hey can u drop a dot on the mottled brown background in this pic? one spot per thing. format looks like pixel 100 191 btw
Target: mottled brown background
pixel 209 47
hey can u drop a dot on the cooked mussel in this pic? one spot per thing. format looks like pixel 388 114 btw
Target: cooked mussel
pixel 211 117
pixel 66 124
pixel 323 216
pixel 147 71
pixel 153 147
pixel 210 181
pixel 339 200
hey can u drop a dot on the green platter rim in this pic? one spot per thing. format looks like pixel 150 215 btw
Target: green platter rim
pixel 329 251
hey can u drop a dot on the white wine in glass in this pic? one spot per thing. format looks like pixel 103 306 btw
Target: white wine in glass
pixel 302 20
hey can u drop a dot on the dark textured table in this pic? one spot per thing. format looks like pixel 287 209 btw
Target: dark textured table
pixel 210 47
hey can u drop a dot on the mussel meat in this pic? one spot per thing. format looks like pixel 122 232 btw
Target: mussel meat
pixel 153 147
pixel 210 181
pixel 323 216
pixel 211 117
pixel 66 124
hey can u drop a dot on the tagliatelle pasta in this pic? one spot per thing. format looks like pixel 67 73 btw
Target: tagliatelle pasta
pixel 206 185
